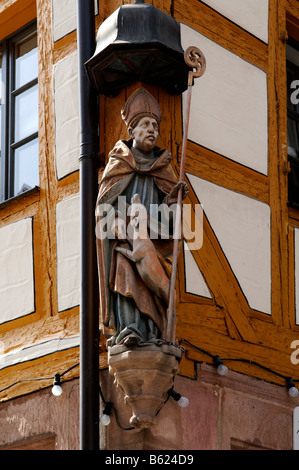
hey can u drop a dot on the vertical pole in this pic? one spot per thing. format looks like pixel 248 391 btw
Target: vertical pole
pixel 194 58
pixel 89 305
pixel 171 324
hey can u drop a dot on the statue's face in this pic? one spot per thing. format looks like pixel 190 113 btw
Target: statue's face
pixel 145 134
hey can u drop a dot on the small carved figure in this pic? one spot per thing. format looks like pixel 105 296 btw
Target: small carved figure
pixel 135 266
pixel 146 258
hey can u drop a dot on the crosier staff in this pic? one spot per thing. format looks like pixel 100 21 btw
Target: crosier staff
pixel 194 58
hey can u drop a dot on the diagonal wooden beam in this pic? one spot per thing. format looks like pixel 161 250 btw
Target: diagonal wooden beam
pixel 222 282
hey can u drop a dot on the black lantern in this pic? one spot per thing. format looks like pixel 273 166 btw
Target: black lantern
pixel 138 42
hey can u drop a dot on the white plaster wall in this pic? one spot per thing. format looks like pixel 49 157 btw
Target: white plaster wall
pixel 29 353
pixel 65 17
pixel 251 15
pixel 229 110
pixel 17 272
pixel 68 253
pixel 67 126
pixel 296 242
pixel 195 283
pixel 242 226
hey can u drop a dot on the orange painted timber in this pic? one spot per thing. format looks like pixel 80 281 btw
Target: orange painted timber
pixel 225 324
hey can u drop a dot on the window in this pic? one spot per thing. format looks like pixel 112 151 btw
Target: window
pixel 19 113
pixel 292 53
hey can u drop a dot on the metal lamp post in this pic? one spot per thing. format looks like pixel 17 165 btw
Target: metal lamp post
pixel 89 304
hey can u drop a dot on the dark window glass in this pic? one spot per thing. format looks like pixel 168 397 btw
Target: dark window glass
pixel 1 102
pixel 19 113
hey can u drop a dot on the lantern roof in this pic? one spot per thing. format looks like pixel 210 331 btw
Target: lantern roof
pixel 138 42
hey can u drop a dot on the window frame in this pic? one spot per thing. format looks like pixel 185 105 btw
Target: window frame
pixel 8 143
pixel 293 115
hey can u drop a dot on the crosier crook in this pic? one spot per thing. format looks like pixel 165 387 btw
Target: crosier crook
pixel 195 59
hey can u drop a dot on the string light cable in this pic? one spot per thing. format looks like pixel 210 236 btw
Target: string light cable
pixel 56 380
pixel 218 362
pixel 57 391
pixel 222 369
pixel 105 418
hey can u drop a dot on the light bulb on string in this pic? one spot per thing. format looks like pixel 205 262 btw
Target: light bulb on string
pixel 221 368
pixel 182 401
pixel 105 418
pixel 56 389
pixel 293 391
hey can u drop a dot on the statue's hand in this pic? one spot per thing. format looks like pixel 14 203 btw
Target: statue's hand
pixel 172 197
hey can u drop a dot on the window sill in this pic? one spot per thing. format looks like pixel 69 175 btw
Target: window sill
pixel 20 197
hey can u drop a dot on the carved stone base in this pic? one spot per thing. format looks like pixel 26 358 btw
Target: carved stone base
pixel 145 374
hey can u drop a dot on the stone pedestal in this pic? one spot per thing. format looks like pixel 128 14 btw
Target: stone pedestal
pixel 145 374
